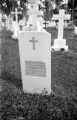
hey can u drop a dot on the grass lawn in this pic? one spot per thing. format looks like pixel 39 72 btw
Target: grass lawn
pixel 60 105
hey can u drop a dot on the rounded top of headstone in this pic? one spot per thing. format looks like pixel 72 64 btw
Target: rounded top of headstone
pixel 31 1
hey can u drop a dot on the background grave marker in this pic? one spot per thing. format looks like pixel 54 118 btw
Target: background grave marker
pixel 15 30
pixel 16 14
pixel 56 18
pixel 60 43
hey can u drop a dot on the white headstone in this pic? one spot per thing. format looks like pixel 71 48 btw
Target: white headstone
pixel 75 28
pixel 21 24
pixel 60 43
pixel 15 30
pixel 65 24
pixel 4 18
pixel 35 59
pixel 61 24
pixel 7 23
pixel 10 23
pixel 40 19
pixel 53 23
pixel 33 14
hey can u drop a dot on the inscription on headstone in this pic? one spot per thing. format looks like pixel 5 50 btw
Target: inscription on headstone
pixel 35 68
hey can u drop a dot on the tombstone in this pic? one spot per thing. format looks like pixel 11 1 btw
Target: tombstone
pixel 35 17
pixel 40 20
pixel 9 23
pixel 56 18
pixel 15 30
pixel 15 24
pixel 34 14
pixel 4 17
pixel 65 24
pixel 60 43
pixel 40 13
pixel 21 24
pixel 53 24
pixel 16 14
pixel 35 59
pixel 25 21
pixel 75 30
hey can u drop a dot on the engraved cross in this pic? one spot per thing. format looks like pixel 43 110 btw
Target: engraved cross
pixel 45 23
pixel 33 42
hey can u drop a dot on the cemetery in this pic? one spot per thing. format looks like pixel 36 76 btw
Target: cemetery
pixel 38 64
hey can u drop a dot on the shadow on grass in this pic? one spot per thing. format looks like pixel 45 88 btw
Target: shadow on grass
pixel 11 79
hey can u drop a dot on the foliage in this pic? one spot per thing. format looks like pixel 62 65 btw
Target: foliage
pixel 8 5
pixel 72 4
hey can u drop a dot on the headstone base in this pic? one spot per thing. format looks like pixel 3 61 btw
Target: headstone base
pixel 59 44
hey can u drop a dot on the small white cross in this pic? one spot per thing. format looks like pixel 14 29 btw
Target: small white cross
pixel 33 12
pixel 61 17
pixel 16 14
pixel 61 23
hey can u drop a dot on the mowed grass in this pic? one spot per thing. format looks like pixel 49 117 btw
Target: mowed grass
pixel 62 104
pixel 63 64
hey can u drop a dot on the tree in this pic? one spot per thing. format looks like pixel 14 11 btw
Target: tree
pixel 47 12
pixel 72 3
pixel 7 5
